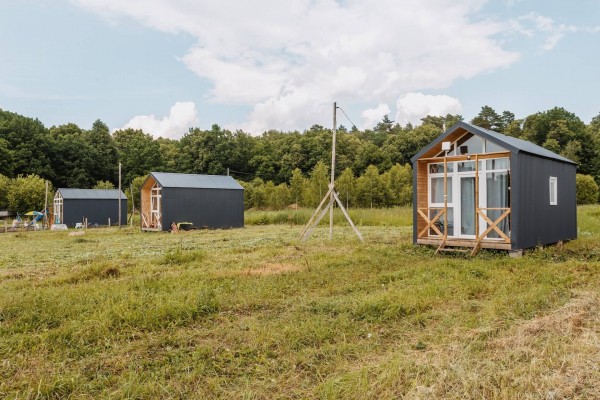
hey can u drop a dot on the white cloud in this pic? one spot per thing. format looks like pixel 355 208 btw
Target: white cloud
pixel 183 115
pixel 291 60
pixel 413 106
pixel 534 25
pixel 372 116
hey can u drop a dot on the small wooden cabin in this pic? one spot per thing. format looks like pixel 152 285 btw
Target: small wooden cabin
pixel 207 201
pixel 98 206
pixel 477 188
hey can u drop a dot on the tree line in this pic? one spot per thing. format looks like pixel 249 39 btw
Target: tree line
pixel 276 168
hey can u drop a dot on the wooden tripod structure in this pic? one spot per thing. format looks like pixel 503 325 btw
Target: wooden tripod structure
pixel 332 196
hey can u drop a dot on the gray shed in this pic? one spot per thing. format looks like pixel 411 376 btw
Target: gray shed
pixel 97 205
pixel 477 188
pixel 207 201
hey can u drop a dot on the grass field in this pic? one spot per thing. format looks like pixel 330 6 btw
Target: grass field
pixel 254 314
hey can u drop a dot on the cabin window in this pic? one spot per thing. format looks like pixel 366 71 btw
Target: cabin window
pixel 469 144
pixel 472 144
pixel 438 168
pixel 437 190
pixel 553 190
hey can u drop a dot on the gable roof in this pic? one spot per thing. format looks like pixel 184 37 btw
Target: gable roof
pixel 96 194
pixel 195 181
pixel 512 144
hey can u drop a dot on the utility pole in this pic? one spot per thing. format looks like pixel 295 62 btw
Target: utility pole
pixel 46 208
pixel 119 195
pixel 132 204
pixel 331 198
pixel 331 195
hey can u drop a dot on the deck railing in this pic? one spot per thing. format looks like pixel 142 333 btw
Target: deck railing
pixel 431 223
pixel 436 225
pixel 493 225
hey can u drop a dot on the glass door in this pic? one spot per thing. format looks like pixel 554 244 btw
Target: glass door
pixel 467 206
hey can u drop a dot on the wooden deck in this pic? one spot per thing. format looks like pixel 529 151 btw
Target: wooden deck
pixel 451 242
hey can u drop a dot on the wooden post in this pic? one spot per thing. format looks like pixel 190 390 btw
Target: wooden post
pixel 476 195
pixel 119 195
pixel 331 196
pixel 445 196
pixel 132 204
pixel 45 223
pixel 331 199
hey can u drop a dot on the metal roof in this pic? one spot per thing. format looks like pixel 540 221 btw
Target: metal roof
pixel 510 143
pixel 97 194
pixel 196 181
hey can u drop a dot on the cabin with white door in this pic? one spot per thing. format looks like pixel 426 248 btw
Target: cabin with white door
pixel 206 201
pixel 96 206
pixel 477 188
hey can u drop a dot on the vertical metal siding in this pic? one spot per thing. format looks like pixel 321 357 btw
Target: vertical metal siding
pixel 211 208
pixel 538 222
pixel 97 211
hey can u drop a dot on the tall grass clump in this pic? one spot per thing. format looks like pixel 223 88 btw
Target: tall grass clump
pixel 179 256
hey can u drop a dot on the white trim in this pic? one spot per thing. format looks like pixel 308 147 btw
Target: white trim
pixel 58 208
pixel 553 189
pixel 456 176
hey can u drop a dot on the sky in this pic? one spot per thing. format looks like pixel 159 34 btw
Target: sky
pixel 167 65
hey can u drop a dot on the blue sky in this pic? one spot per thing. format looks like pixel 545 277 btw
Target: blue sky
pixel 166 65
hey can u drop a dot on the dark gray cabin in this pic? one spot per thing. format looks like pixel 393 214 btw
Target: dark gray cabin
pixel 72 206
pixel 477 188
pixel 207 201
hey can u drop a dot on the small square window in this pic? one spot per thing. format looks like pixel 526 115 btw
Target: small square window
pixel 553 190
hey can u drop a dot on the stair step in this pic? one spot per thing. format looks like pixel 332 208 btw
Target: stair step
pixel 455 250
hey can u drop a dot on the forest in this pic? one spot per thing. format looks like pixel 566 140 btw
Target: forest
pixel 276 168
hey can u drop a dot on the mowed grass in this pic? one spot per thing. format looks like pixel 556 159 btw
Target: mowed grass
pixel 254 314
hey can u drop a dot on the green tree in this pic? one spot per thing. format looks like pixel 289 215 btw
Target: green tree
pixel 297 186
pixel 134 192
pixel 514 129
pixel 27 193
pixel 587 189
pixel 139 153
pixel 6 158
pixel 317 185
pixel 103 185
pixel 346 187
pixel 371 189
pixel 370 154
pixel 207 152
pixel 399 182
pixel 439 122
pixel 4 187
pixel 488 118
pixel 104 154
pixel 255 196
pixel 278 197
pixel 552 145
pixel 27 141
pixel 169 151
pixel 72 159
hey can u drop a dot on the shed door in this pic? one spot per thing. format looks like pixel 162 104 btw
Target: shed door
pixel 156 206
pixel 58 209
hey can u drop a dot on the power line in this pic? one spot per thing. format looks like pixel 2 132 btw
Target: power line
pixel 344 112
